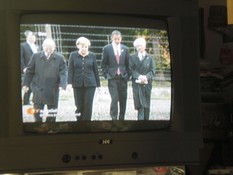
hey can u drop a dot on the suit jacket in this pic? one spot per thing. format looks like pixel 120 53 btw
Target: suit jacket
pixel 109 63
pixel 83 71
pixel 25 55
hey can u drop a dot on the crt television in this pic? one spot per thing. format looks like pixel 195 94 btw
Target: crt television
pixel 171 136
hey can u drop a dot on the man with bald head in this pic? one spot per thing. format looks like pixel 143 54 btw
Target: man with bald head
pixel 47 74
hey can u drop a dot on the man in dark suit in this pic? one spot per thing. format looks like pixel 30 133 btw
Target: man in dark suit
pixel 115 60
pixel 47 74
pixel 27 49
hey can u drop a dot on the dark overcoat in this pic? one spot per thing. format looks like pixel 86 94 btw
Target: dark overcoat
pixel 46 76
pixel 142 92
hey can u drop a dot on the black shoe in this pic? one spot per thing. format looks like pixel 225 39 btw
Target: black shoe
pixel 38 116
pixel 51 119
pixel 38 119
pixel 121 117
pixel 114 117
pixel 78 116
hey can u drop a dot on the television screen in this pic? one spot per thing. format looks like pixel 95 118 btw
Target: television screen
pixel 140 106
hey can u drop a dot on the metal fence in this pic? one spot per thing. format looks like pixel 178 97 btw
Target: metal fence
pixel 65 37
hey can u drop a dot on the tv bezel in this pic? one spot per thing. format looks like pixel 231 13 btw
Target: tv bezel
pixel 124 149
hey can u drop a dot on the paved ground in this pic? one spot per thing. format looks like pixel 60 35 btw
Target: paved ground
pixel 160 106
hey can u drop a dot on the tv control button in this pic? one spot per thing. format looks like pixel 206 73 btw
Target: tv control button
pixel 100 156
pixel 93 157
pixel 66 158
pixel 77 157
pixel 134 155
pixel 84 157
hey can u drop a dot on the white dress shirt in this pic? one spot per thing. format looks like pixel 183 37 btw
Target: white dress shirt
pixel 116 48
pixel 141 55
pixel 33 47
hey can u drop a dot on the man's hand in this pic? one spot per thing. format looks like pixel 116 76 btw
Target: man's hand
pixel 69 87
pixel 61 88
pixel 143 79
pixel 24 70
pixel 25 89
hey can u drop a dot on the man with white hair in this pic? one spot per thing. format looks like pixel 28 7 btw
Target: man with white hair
pixel 142 67
pixel 47 74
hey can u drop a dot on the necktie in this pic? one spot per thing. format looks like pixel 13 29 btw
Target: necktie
pixel 117 56
pixel 118 60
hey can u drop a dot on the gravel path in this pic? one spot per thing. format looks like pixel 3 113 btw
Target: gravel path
pixel 160 106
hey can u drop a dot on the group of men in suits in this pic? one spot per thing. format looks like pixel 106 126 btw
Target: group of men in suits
pixel 114 65
pixel 115 68
pixel 118 66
